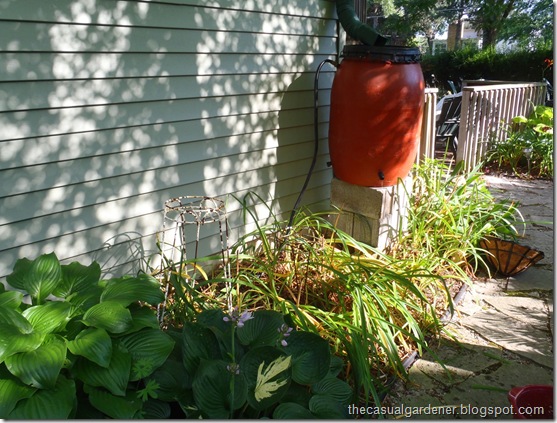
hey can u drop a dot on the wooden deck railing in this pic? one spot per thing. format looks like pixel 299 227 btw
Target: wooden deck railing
pixel 427 137
pixel 487 111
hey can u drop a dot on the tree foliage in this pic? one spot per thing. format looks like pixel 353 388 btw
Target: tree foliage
pixel 527 22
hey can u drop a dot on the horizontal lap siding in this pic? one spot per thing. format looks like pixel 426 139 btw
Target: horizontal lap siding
pixel 108 108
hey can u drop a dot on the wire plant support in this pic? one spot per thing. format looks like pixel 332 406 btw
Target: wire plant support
pixel 184 218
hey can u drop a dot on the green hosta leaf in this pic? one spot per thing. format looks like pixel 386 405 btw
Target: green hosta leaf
pixel 336 389
pixel 267 372
pixel 262 330
pixel 50 317
pixel 43 277
pixel 172 379
pixel 128 290
pixel 197 343
pixel 116 407
pixel 311 357
pixel 142 317
pixel 76 278
pixel 115 377
pixel 211 389
pixel 324 407
pixel 12 392
pixel 48 404
pixel 10 299
pixel 94 344
pixel 109 315
pixel 16 279
pixel 12 341
pixel 292 411
pixel 149 349
pixel 156 410
pixel 39 368
pixel 85 298
pixel 12 318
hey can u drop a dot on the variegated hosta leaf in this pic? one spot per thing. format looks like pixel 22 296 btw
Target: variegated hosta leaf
pixel 94 344
pixel 109 315
pixel 39 368
pixel 265 386
pixel 50 317
pixel 267 371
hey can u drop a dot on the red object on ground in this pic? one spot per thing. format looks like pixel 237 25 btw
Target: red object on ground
pixel 377 100
pixel 525 398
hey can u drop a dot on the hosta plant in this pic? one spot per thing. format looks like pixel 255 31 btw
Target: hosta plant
pixel 79 346
pixel 251 365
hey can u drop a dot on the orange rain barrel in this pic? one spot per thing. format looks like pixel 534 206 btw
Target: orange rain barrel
pixel 376 114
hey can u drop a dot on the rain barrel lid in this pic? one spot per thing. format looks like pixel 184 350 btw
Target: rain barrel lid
pixel 393 54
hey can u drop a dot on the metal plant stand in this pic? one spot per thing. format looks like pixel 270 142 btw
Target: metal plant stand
pixel 185 218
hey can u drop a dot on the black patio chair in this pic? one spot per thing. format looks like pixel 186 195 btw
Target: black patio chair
pixel 448 122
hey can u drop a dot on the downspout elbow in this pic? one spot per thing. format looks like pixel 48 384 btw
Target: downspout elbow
pixel 354 27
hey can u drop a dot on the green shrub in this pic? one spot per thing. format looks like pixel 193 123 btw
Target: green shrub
pixel 528 136
pixel 470 64
pixel 83 345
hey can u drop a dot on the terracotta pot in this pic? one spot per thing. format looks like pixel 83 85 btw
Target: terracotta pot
pixel 376 114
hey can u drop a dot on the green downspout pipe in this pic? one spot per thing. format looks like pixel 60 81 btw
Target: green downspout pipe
pixel 354 27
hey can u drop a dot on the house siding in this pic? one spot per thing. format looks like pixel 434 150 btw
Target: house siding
pixel 108 108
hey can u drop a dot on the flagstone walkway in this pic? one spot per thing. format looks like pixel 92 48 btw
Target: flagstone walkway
pixel 502 334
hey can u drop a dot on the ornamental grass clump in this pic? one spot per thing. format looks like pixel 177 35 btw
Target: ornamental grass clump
pixel 449 213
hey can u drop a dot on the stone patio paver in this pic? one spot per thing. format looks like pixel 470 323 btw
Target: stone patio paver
pixel 502 333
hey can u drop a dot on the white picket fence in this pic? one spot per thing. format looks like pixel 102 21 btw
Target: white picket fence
pixel 486 112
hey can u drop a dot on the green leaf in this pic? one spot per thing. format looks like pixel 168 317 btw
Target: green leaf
pixel 94 344
pixel 16 279
pixel 292 411
pixel 77 277
pixel 128 290
pixel 50 317
pixel 211 389
pixel 116 407
pixel 12 392
pixel 156 410
pixel 115 377
pixel 262 330
pixel 149 349
pixel 10 299
pixel 324 407
pixel 142 317
pixel 109 315
pixel 48 404
pixel 267 373
pixel 43 277
pixel 336 389
pixel 13 318
pixel 172 379
pixel 311 357
pixel 12 341
pixel 198 343
pixel 39 368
